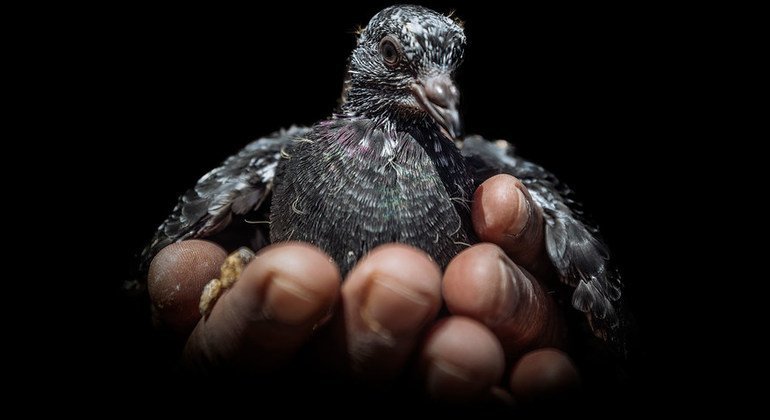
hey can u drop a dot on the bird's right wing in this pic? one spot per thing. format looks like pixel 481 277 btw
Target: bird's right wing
pixel 239 186
pixel 572 245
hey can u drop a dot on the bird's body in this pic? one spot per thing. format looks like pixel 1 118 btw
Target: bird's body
pixel 387 168
pixel 350 185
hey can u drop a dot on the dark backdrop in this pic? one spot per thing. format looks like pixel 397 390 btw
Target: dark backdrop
pixel 587 93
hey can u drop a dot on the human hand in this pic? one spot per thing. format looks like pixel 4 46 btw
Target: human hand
pixel 502 321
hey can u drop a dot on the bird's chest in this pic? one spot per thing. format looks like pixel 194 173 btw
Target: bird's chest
pixel 348 199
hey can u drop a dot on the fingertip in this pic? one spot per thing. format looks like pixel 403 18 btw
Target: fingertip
pixel 504 213
pixel 281 297
pixel 176 278
pixel 291 283
pixel 411 261
pixel 473 285
pixel 390 297
pixel 462 360
pixel 484 284
pixel 544 375
pixel 499 208
pixel 398 288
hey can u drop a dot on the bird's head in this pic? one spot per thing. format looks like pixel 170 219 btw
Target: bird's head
pixel 401 69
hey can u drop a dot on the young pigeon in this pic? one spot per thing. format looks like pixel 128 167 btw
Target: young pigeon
pixel 389 166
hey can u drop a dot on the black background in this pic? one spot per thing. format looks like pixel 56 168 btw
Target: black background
pixel 591 94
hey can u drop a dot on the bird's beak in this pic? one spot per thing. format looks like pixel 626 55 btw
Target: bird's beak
pixel 439 96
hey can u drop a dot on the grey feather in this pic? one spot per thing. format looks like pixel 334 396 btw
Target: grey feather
pixel 239 186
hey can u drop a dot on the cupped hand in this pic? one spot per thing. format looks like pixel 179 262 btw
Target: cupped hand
pixel 501 334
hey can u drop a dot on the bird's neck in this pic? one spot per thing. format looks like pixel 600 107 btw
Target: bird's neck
pixel 392 139
pixel 361 101
pixel 392 121
pixel 395 124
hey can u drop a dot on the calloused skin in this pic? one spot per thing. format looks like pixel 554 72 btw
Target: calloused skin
pixel 501 337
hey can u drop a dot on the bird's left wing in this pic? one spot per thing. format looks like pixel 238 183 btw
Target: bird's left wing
pixel 239 186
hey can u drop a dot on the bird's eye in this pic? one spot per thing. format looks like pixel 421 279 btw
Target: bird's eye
pixel 390 51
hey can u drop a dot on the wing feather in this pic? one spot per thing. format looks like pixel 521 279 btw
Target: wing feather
pixel 239 186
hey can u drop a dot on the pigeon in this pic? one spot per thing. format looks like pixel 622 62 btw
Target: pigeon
pixel 390 165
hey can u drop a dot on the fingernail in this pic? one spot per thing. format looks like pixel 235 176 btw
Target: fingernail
pixel 446 380
pixel 392 310
pixel 522 214
pixel 288 302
